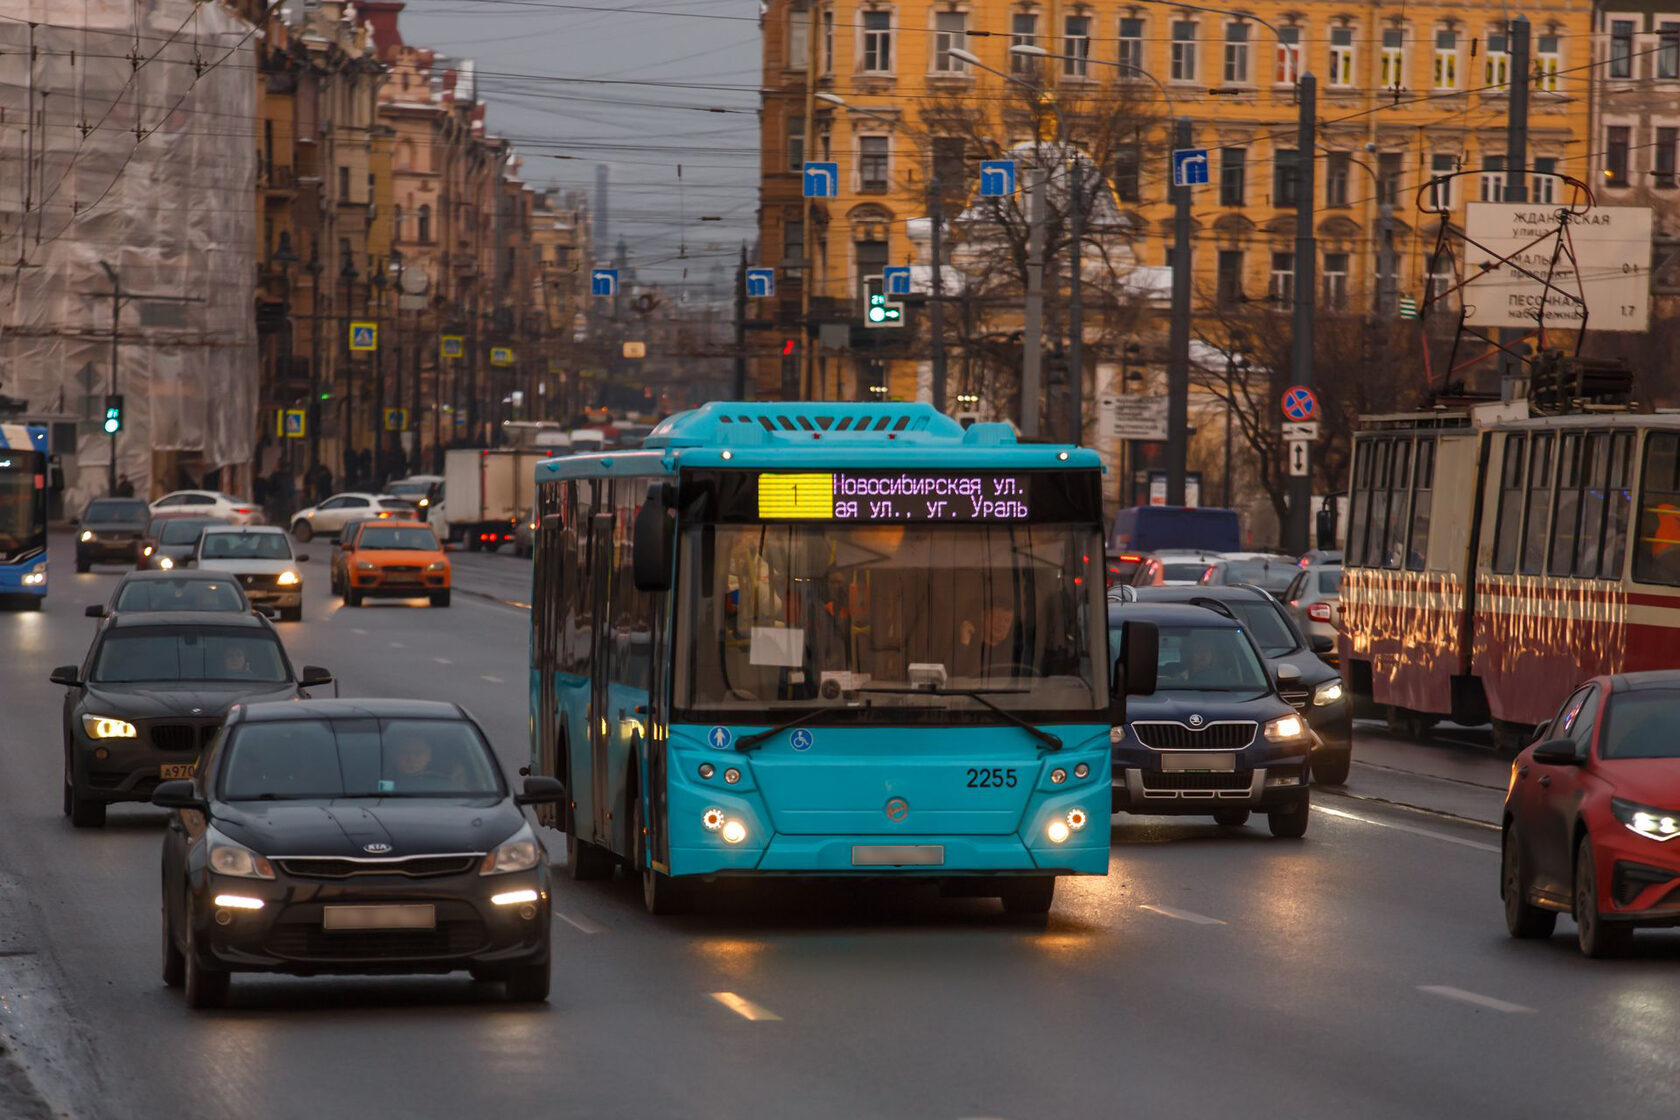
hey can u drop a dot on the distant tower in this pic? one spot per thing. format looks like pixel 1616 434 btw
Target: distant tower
pixel 601 205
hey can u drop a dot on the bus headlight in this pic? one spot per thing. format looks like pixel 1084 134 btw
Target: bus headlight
pixel 1058 831
pixel 1327 693
pixel 36 577
pixel 734 832
pixel 1284 729
pixel 108 727
pixel 1076 819
pixel 713 819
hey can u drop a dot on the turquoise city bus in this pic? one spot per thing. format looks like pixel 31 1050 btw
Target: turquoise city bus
pixel 828 639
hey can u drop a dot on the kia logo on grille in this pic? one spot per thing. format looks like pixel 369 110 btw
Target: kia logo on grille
pixel 1195 721
pixel 376 849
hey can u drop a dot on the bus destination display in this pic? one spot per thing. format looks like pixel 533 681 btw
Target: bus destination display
pixel 895 495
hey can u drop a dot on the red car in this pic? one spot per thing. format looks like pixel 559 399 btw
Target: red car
pixel 1591 814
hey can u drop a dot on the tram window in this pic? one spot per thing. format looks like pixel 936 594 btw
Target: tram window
pixel 1539 491
pixel 1620 499
pixel 1508 531
pixel 1359 502
pixel 1566 506
pixel 1595 475
pixel 1394 538
pixel 1656 554
pixel 1379 504
pixel 1423 482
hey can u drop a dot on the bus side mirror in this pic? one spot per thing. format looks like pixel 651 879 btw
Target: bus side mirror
pixel 655 539
pixel 1134 672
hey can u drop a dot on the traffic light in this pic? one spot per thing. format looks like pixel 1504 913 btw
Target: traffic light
pixel 113 413
pixel 789 347
pixel 881 312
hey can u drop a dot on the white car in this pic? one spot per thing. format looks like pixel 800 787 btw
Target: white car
pixel 208 503
pixel 261 558
pixel 333 514
pixel 420 489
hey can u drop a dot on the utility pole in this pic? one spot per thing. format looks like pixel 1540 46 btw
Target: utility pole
pixel 1076 307
pixel 807 336
pixel 936 301
pixel 1178 335
pixel 1032 333
pixel 1516 183
pixel 1387 301
pixel 1306 296
pixel 313 419
pixel 118 298
pixel 741 327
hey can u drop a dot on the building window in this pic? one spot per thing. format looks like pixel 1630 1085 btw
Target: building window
pixel 1616 155
pixel 344 184
pixel 796 143
pixel 799 35
pixel 1233 168
pixel 1131 47
pixel 1288 56
pixel 1076 45
pixel 950 32
pixel 1662 164
pixel 1023 32
pixel 1335 281
pixel 1441 187
pixel 872 163
pixel 1229 289
pixel 1668 50
pixel 1341 57
pixel 828 41
pixel 1286 179
pixel 1548 61
pixel 1183 50
pixel 1236 53
pixel 1544 188
pixel 423 221
pixel 1337 168
pixel 1282 290
pixel 877 42
pixel 1127 162
pixel 793 241
pixel 1496 62
pixel 949 164
pixel 1492 179
pixel 1621 48
pixel 871 259
pixel 1391 171
pixel 1446 59
pixel 1393 58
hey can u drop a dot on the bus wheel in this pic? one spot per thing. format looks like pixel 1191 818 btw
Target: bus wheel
pixel 1029 896
pixel 584 861
pixel 661 894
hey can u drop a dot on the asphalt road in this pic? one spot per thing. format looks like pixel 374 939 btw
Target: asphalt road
pixel 1363 971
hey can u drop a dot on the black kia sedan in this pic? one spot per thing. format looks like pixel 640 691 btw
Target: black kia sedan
pixel 151 693
pixel 353 836
pixel 110 531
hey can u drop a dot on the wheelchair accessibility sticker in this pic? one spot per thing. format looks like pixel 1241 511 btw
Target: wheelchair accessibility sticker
pixel 802 740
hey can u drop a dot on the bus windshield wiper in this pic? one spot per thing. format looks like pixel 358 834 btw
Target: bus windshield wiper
pixel 748 742
pixel 980 694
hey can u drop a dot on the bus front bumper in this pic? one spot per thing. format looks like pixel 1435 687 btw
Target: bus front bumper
pixel 24 579
pixel 896 856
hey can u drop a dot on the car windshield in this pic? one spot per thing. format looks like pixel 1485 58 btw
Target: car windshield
pixel 408 489
pixel 182 594
pixel 1330 581
pixel 1641 725
pixel 309 759
pixel 1266 625
pixel 108 510
pixel 245 546
pixel 179 530
pixel 805 615
pixel 407 540
pixel 1183 572
pixel 1273 575
pixel 130 656
pixel 1204 659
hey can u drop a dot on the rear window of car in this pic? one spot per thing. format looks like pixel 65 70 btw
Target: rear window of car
pixel 1189 573
pixel 1330 581
pixel 180 595
pixel 120 510
pixel 133 656
pixel 363 757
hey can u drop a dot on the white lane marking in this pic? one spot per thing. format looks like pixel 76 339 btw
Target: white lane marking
pixel 398 645
pixel 744 1007
pixel 492 680
pixel 1447 992
pixel 443 661
pixel 356 630
pixel 1183 915
pixel 1429 832
pixel 580 923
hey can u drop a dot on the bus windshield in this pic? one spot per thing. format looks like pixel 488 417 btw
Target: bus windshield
pixel 21 525
pixel 774 616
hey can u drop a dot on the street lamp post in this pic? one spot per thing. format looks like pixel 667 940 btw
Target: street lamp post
pixel 1233 362
pixel 314 269
pixel 347 276
pixel 377 283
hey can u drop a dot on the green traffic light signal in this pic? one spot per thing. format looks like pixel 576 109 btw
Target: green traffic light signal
pixel 113 414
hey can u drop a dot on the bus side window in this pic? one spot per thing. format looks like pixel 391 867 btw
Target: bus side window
pixel 1539 493
pixel 1508 528
pixel 1656 554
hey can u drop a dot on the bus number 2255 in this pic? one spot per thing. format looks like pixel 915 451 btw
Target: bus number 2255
pixel 993 777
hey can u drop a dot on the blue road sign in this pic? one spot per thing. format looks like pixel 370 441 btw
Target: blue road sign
pixel 802 739
pixel 396 419
pixel 1189 167
pixel 997 178
pixel 292 423
pixel 720 737
pixel 761 283
pixel 1300 403
pixel 896 279
pixel 364 336
pixel 603 282
pixel 822 180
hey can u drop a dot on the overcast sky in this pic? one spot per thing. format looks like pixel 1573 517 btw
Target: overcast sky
pixel 603 82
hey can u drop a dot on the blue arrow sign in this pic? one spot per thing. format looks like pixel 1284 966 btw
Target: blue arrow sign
pixel 997 178
pixel 895 279
pixel 761 283
pixel 603 282
pixel 822 180
pixel 1189 167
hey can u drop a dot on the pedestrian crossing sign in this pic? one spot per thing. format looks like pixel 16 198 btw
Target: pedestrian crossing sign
pixel 290 423
pixel 396 419
pixel 364 336
pixel 450 345
pixel 501 355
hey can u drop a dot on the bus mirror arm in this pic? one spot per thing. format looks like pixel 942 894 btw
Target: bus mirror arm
pixel 1135 670
pixel 655 539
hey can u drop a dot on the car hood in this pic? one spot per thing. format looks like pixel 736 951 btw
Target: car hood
pixel 118 526
pixel 411 826
pixel 241 566
pixel 1314 671
pixel 1179 706
pixel 1649 781
pixel 383 556
pixel 151 699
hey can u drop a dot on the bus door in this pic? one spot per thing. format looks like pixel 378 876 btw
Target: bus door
pixel 602 576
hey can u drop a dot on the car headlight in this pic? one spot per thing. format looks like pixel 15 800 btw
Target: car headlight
pixel 287 579
pixel 228 858
pixel 519 852
pixel 424 502
pixel 1653 824
pixel 147 551
pixel 87 534
pixel 1285 728
pixel 166 563
pixel 437 566
pixel 1327 693
pixel 365 566
pixel 108 727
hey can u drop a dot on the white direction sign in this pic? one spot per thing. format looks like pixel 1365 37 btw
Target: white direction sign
pixel 1136 417
pixel 1300 465
pixel 1296 431
pixel 1612 248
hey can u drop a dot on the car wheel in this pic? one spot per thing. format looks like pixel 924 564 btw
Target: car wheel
pixel 1521 918
pixel 86 812
pixel 302 531
pixel 1331 769
pixel 1289 824
pixel 352 597
pixel 1029 896
pixel 661 894
pixel 527 983
pixel 1598 938
pixel 174 961
pixel 1231 818
pixel 206 987
pixel 440 598
pixel 82 565
pixel 69 790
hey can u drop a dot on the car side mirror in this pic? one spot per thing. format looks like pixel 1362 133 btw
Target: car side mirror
pixel 541 790
pixel 1287 675
pixel 1135 671
pixel 1323 644
pixel 68 675
pixel 302 558
pixel 1540 733
pixel 655 538
pixel 313 675
pixel 178 795
pixel 1558 752
pixel 97 610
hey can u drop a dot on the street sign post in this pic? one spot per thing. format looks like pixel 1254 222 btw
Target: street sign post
pixel 1189 167
pixel 822 179
pixel 1135 417
pixel 396 419
pixel 1299 403
pixel 997 178
pixel 451 346
pixel 1294 431
pixel 1299 463
pixel 364 336
pixel 761 283
pixel 896 280
pixel 501 355
pixel 603 282
pixel 1611 272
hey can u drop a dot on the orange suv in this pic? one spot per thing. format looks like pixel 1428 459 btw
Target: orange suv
pixel 394 560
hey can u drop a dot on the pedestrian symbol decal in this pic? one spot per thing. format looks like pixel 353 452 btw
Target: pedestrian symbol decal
pixel 1299 403
pixel 802 740
pixel 364 336
pixel 720 738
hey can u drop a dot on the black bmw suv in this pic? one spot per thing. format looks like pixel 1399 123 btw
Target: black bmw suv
pixel 1215 738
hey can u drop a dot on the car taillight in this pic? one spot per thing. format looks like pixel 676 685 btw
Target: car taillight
pixel 1319 612
pixel 242 509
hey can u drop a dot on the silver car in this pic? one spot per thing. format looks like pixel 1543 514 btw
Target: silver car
pixel 1314 597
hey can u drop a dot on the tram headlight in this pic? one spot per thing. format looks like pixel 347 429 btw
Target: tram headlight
pixel 1058 832
pixel 1653 824
pixel 166 564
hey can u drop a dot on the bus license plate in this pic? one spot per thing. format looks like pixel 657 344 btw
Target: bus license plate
pixel 175 771
pixel 1199 762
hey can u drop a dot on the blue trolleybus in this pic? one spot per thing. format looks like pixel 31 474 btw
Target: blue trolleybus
pixel 23 514
pixel 828 639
